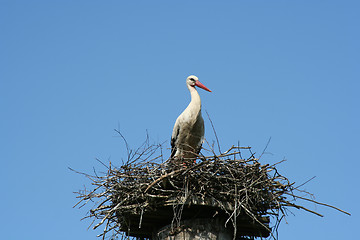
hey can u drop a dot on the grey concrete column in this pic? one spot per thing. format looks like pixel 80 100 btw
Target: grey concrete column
pixel 199 229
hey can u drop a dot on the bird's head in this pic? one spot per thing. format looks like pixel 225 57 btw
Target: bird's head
pixel 194 81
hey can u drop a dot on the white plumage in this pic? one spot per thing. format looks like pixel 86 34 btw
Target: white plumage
pixel 188 133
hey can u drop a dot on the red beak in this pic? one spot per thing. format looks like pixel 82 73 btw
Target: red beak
pixel 200 85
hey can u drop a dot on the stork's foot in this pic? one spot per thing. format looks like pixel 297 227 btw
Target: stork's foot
pixel 176 163
pixel 189 163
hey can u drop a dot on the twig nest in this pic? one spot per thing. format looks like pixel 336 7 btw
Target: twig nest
pixel 144 195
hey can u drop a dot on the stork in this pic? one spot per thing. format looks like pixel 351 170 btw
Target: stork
pixel 188 133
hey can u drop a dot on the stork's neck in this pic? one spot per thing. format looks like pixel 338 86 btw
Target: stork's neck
pixel 195 104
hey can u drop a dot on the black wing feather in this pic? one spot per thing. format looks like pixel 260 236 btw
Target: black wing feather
pixel 172 142
pixel 198 149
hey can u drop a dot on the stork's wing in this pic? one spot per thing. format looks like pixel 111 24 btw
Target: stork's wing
pixel 201 133
pixel 174 137
pixel 198 149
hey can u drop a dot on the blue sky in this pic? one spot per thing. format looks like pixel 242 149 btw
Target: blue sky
pixel 72 71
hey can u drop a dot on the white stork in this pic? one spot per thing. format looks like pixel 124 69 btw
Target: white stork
pixel 188 133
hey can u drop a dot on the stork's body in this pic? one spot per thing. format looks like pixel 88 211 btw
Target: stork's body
pixel 188 132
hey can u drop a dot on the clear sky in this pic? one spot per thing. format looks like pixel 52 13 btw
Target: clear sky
pixel 72 71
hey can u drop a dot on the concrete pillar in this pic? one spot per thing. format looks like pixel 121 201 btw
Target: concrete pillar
pixel 199 229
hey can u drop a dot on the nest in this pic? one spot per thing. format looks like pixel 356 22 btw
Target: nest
pixel 147 193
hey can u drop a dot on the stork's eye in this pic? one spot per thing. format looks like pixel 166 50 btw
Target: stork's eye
pixel 192 79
